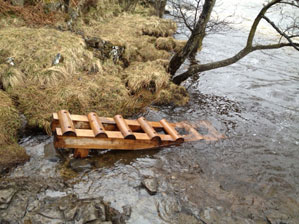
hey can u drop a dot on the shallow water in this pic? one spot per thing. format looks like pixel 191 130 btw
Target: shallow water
pixel 250 177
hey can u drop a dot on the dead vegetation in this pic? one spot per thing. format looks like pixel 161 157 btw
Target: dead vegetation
pixel 35 62
pixel 136 33
pixel 31 14
pixel 11 153
pixel 82 82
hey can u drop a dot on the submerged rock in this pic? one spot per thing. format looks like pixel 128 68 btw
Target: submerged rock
pixel 80 165
pixel 5 197
pixel 151 185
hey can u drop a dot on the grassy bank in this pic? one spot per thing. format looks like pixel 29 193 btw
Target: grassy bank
pixel 88 77
pixel 11 153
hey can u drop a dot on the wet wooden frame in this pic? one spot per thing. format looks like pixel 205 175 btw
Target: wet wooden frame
pixel 82 136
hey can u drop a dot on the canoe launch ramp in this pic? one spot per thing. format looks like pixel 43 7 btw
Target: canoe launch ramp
pixel 82 133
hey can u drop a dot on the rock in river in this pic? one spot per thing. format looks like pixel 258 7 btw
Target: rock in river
pixel 151 185
pixel 6 196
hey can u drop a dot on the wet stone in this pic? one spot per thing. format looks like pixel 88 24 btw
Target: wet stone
pixel 80 165
pixel 52 213
pixel 69 214
pixel 184 219
pixel 101 211
pixel 151 185
pixel 89 213
pixel 5 197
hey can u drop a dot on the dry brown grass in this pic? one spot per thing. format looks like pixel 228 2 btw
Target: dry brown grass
pixel 165 43
pixel 34 50
pixel 172 94
pixel 10 152
pixel 9 120
pixel 104 94
pixel 12 155
pixel 150 76
pixel 40 89
pixel 128 31
pixel 30 14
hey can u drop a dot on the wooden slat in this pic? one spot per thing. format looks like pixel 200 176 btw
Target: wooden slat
pixel 108 120
pixel 171 131
pixel 96 125
pixel 148 129
pixel 107 143
pixel 115 135
pixel 123 127
pixel 66 124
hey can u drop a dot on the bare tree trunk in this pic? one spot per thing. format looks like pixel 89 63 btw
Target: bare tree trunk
pixel 195 39
pixel 128 5
pixel 160 7
pixel 192 56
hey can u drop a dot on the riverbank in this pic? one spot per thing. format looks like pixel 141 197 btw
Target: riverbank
pixel 97 57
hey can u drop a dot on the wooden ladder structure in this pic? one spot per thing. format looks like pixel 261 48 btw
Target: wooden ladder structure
pixel 83 133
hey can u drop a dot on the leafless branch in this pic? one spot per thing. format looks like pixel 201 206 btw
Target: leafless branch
pixel 280 32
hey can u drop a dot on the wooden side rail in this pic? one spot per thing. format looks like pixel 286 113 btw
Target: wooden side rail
pixel 96 125
pixel 148 129
pixel 66 123
pixel 82 122
pixel 171 131
pixel 123 127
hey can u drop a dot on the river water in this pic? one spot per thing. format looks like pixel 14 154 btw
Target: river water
pixel 252 176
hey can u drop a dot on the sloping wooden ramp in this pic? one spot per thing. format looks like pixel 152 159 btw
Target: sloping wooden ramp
pixel 82 133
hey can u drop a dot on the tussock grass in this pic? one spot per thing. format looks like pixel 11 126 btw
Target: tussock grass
pixel 33 51
pixel 82 83
pixel 9 120
pixel 172 94
pixel 104 94
pixel 150 76
pixel 12 155
pixel 165 43
pixel 128 30
pixel 10 152
pixel 169 44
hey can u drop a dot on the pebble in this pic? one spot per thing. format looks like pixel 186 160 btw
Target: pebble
pixel 151 184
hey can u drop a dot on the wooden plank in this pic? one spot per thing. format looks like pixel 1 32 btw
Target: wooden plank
pixel 81 153
pixel 115 135
pixel 108 120
pixel 107 143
